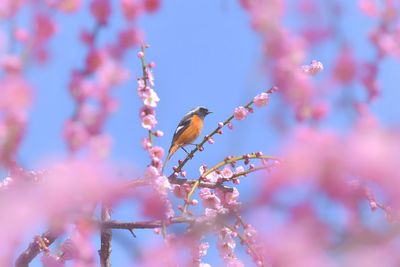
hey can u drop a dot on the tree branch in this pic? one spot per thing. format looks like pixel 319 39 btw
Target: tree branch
pixel 144 224
pixel 106 235
pixel 35 247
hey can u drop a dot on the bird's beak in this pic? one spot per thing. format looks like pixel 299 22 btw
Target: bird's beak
pixel 209 112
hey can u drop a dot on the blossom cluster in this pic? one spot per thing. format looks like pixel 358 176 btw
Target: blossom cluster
pixel 153 172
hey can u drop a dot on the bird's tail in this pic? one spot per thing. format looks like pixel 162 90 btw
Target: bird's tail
pixel 171 152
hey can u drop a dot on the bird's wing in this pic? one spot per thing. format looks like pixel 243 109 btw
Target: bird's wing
pixel 183 124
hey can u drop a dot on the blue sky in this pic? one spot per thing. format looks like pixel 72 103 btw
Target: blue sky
pixel 205 54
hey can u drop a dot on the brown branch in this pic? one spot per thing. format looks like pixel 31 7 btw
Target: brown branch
pixel 145 224
pixel 35 247
pixel 106 235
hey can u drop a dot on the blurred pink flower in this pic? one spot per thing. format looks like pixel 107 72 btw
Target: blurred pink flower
pixel 151 5
pixel 21 35
pixel 11 63
pixel 129 38
pixel 75 135
pixel 69 6
pixel 369 7
pixel 146 144
pixel 226 247
pixel 15 95
pixel 240 113
pixel 101 10
pixel 345 68
pixel 100 146
pixel 110 72
pixel 156 152
pixel 151 173
pixel 45 27
pixel 9 8
pixel 131 9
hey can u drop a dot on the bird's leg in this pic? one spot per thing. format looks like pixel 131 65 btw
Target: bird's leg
pixel 197 145
pixel 185 150
pixel 191 156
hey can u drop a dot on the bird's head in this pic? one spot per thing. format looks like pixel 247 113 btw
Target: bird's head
pixel 201 111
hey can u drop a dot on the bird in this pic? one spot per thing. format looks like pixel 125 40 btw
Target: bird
pixel 187 131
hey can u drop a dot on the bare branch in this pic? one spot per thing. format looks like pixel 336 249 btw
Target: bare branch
pixel 145 224
pixel 106 236
pixel 35 247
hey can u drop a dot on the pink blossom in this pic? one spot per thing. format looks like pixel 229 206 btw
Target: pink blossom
pixel 368 7
pixel 93 60
pixel 129 38
pixel 16 95
pixel 150 76
pixel 50 260
pixel 140 54
pixel 212 177
pixel 79 247
pixel 69 6
pixel 151 173
pixel 209 199
pixel 44 27
pixel 21 35
pixel 163 185
pixel 149 122
pixel 146 144
pixel 202 169
pixel 179 191
pixel 100 145
pixel 250 233
pixel 319 110
pixel 229 198
pixel 11 63
pixel 345 69
pixel 227 173
pixel 101 10
pixel 151 98
pixel 226 247
pixel 131 9
pixel 5 182
pixel 9 8
pixel 240 113
pixel 159 133
pixel 152 5
pixel 143 91
pixel 69 202
pixel 156 152
pixel 200 252
pixel 75 135
pixel 369 80
pixel 314 68
pixel 111 73
pixel 261 99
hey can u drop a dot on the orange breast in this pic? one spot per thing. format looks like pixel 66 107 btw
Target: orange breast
pixel 192 132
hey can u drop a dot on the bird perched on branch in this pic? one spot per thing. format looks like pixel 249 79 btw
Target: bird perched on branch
pixel 189 128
